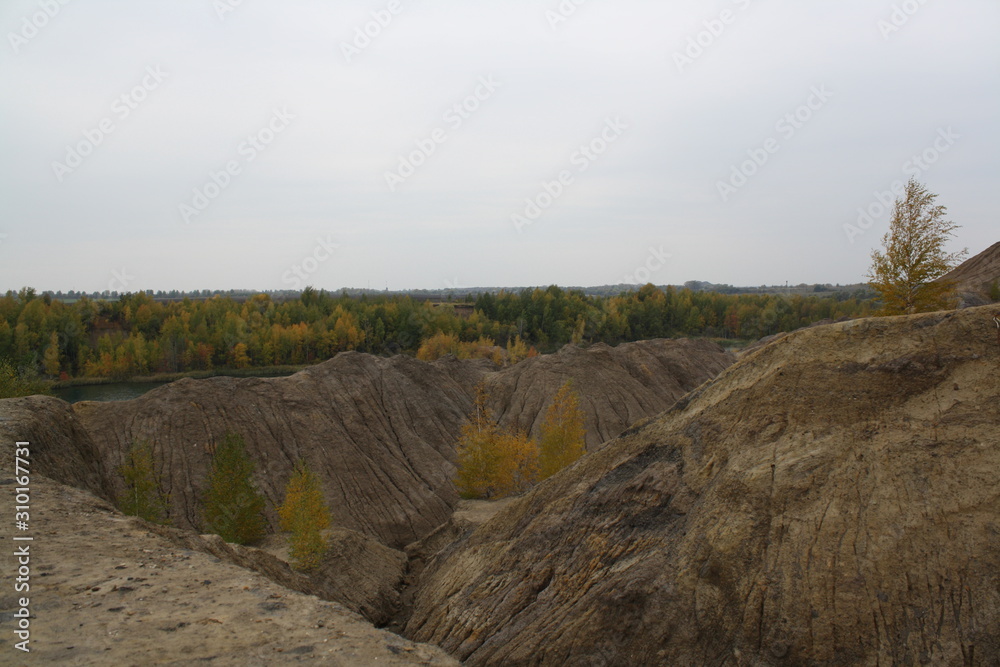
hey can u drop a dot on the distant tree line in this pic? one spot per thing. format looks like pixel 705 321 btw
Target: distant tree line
pixel 136 335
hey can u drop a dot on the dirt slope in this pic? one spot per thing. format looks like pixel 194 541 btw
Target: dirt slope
pixel 378 432
pixel 62 449
pixel 618 386
pixel 832 499
pixel 104 590
pixel 977 274
pixel 357 571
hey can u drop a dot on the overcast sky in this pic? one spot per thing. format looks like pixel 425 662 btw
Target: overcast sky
pixel 192 144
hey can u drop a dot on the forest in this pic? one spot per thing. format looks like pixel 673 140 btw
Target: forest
pixel 138 335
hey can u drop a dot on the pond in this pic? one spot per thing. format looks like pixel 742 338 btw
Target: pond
pixel 116 391
pixel 124 391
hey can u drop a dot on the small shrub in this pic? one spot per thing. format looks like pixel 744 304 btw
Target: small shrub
pixel 14 383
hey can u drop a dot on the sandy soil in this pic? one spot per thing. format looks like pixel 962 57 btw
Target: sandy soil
pixel 478 512
pixel 106 591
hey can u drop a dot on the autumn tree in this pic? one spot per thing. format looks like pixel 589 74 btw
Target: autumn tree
pixel 906 273
pixel 305 515
pixel 518 470
pixel 441 344
pixel 518 350
pixel 492 463
pixel 233 508
pixel 142 496
pixel 562 435
pixel 14 382
pixel 238 356
pixel 51 356
pixel 437 346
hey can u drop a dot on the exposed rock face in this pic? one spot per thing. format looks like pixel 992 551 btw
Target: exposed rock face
pixel 618 386
pixel 379 432
pixel 830 499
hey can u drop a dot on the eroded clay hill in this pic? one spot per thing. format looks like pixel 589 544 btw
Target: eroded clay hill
pixel 379 432
pixel 618 386
pixel 832 499
pixel 977 274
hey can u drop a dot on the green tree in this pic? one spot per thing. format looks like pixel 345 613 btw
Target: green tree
pixel 562 435
pixel 305 515
pixel 52 356
pixel 142 496
pixel 233 508
pixel 15 383
pixel 905 274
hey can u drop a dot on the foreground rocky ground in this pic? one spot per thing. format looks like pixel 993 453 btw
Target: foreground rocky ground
pixel 105 590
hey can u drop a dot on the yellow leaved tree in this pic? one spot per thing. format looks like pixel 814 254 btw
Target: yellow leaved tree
pixel 304 513
pixel 562 433
pixel 493 463
pixel 906 274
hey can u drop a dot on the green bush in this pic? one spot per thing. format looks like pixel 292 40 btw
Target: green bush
pixel 14 383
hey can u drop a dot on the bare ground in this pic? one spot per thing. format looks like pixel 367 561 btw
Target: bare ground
pixel 105 590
